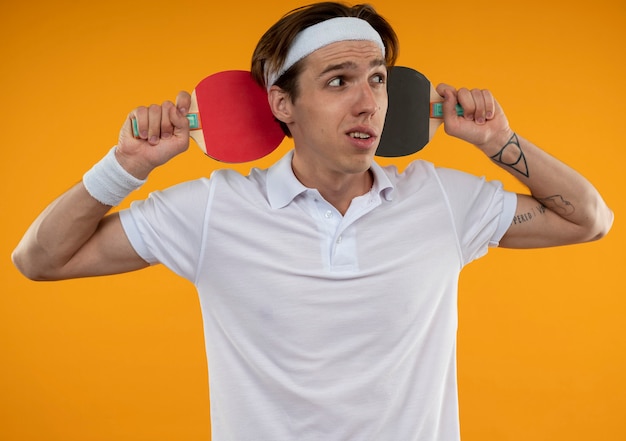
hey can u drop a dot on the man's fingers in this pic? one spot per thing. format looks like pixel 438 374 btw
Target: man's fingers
pixel 480 114
pixel 478 105
pixel 167 125
pixel 490 105
pixel 154 124
pixel 466 100
pixel 161 122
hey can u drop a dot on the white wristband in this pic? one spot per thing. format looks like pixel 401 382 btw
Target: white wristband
pixel 108 182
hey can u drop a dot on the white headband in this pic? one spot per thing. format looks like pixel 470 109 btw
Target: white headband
pixel 322 34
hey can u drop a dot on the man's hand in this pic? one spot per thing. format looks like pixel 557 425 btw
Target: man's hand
pixel 483 123
pixel 163 134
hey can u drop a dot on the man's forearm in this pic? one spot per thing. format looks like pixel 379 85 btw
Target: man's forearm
pixel 556 186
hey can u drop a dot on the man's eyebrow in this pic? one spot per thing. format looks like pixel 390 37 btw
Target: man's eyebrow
pixel 350 65
pixel 378 62
pixel 340 66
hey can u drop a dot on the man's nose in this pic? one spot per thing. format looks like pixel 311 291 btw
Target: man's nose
pixel 366 103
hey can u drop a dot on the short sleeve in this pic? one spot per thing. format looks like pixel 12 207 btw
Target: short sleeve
pixel 169 225
pixel 482 211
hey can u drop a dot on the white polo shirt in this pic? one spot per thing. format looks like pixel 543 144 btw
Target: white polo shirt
pixel 320 326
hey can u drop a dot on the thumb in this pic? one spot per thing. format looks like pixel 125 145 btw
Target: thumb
pixel 450 99
pixel 443 87
pixel 178 113
pixel 451 107
pixel 183 102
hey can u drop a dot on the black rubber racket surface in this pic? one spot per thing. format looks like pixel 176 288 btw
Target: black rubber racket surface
pixel 413 115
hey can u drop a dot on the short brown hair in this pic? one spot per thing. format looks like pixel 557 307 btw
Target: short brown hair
pixel 272 48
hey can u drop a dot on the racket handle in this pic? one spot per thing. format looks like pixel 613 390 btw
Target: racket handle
pixel 436 110
pixel 194 124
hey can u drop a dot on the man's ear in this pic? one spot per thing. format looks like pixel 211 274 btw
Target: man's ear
pixel 280 103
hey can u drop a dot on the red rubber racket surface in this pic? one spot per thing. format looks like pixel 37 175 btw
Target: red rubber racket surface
pixel 236 123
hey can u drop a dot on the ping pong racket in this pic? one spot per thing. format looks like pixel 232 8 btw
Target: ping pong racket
pixel 230 118
pixel 415 112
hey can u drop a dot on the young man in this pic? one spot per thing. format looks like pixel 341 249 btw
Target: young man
pixel 343 324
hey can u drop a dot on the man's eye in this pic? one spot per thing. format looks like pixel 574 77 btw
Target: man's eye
pixel 335 82
pixel 379 78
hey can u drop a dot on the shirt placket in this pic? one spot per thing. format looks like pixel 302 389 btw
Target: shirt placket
pixel 340 241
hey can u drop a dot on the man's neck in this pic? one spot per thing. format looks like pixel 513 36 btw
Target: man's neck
pixel 338 190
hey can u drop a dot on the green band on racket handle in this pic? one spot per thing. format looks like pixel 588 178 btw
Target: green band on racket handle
pixel 194 124
pixel 194 121
pixel 437 110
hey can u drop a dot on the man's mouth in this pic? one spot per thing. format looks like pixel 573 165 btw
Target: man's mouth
pixel 359 135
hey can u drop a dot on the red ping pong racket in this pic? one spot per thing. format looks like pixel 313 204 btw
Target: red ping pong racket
pixel 230 118
pixel 414 113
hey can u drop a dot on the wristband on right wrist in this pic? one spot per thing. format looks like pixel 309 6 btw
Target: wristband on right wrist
pixel 108 182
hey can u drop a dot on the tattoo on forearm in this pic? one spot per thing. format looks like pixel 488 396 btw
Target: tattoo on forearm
pixel 558 204
pixel 521 218
pixel 554 203
pixel 513 150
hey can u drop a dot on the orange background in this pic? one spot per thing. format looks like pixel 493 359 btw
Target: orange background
pixel 542 339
